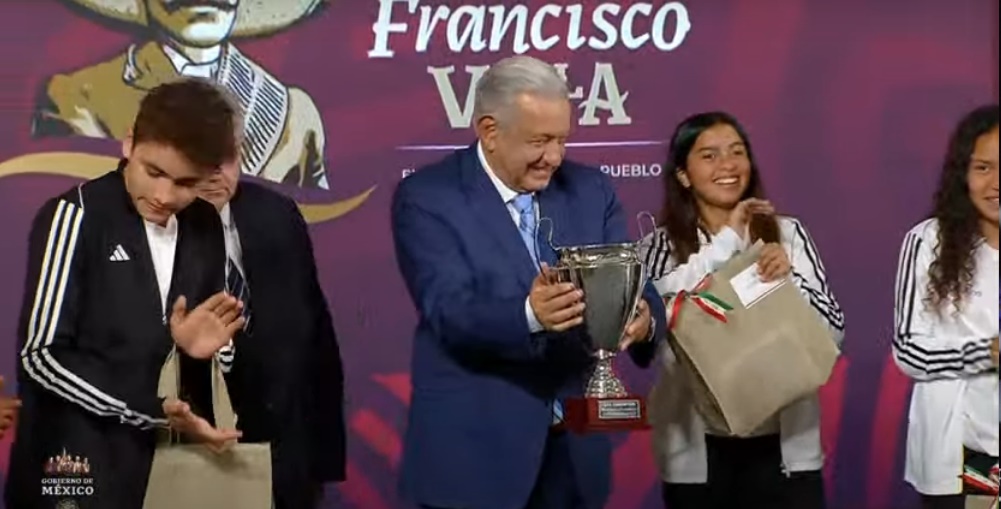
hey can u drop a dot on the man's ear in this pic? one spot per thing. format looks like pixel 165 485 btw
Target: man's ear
pixel 487 130
pixel 127 145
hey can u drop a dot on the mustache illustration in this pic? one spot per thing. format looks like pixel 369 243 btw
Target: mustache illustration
pixel 174 5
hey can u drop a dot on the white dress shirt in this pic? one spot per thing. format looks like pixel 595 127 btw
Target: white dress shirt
pixel 234 250
pixel 162 248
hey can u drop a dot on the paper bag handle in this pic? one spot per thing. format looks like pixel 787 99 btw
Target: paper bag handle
pixel 170 382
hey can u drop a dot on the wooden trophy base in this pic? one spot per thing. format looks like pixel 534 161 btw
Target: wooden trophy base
pixel 588 415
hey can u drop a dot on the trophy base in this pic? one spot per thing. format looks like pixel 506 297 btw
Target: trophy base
pixel 588 415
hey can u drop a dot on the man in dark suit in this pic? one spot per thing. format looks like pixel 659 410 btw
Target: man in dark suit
pixel 286 379
pixel 113 265
pixel 496 348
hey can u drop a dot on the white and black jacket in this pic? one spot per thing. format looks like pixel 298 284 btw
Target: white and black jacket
pixel 944 352
pixel 678 430
pixel 93 337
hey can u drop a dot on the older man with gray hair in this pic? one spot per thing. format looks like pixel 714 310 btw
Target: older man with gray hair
pixel 497 348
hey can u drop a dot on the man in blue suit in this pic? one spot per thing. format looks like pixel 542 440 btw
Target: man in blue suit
pixel 497 348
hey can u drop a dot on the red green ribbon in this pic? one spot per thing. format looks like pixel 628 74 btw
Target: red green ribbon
pixel 988 484
pixel 707 302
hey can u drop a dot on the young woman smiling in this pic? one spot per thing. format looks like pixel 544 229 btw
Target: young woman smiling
pixel 715 208
pixel 947 319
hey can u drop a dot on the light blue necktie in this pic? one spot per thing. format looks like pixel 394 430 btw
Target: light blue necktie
pixel 525 205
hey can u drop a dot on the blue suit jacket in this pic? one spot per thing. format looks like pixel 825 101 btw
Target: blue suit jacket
pixel 482 383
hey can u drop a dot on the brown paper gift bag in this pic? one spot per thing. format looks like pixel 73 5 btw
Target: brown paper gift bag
pixel 981 502
pixel 981 482
pixel 190 476
pixel 745 363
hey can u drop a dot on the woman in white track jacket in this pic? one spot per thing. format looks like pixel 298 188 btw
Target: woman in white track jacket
pixel 947 320
pixel 713 211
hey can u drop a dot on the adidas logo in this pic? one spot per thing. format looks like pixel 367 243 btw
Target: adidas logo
pixel 119 254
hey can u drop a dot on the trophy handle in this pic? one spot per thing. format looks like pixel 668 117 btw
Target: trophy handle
pixel 652 221
pixel 549 239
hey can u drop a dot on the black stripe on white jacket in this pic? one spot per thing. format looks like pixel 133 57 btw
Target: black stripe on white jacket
pixel 928 344
pixel 808 272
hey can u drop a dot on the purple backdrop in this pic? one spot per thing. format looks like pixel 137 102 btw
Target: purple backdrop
pixel 848 104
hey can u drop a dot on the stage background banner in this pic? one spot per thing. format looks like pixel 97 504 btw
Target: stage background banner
pixel 994 61
pixel 848 104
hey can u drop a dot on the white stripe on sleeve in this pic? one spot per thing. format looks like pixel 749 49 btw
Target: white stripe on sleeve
pixel 46 311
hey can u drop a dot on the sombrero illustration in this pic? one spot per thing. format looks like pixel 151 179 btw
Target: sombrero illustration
pixel 253 17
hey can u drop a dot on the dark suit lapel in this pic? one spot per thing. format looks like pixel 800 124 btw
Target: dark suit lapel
pixel 199 257
pixel 487 206
pixel 198 274
pixel 568 358
pixel 241 210
pixel 554 216
pixel 254 258
pixel 188 266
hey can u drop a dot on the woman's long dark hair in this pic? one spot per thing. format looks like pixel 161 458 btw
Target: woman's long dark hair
pixel 951 272
pixel 681 214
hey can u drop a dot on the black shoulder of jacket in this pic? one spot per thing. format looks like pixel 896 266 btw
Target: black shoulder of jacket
pixel 101 192
pixel 97 199
pixel 260 194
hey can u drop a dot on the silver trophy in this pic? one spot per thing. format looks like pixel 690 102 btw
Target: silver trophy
pixel 612 278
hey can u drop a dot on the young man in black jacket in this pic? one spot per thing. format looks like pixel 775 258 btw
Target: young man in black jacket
pixel 116 267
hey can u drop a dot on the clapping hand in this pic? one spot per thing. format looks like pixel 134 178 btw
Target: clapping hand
pixel 210 326
pixel 184 421
pixel 8 411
